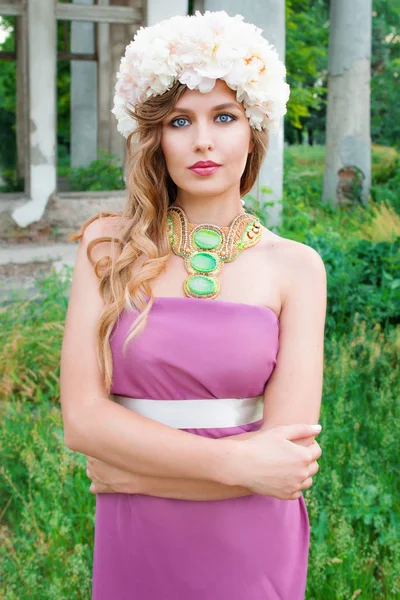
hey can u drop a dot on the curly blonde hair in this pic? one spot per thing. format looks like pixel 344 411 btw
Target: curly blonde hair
pixel 150 193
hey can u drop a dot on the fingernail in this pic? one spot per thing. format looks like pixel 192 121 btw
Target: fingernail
pixel 316 427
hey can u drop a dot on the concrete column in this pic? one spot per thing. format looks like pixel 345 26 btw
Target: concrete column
pixel 83 94
pixel 42 59
pixel 348 141
pixel 158 10
pixel 268 15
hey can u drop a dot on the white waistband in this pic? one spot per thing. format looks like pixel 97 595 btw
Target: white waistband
pixel 197 413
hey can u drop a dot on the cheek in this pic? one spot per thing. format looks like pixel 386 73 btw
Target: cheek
pixel 236 150
pixel 172 150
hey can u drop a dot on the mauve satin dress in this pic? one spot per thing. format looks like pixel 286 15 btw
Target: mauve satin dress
pixel 150 548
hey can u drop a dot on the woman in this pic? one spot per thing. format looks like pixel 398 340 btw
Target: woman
pixel 196 383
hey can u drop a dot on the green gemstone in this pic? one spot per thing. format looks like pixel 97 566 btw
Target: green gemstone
pixel 207 238
pixel 203 262
pixel 202 285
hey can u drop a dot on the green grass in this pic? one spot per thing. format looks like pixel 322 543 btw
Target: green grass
pixel 47 514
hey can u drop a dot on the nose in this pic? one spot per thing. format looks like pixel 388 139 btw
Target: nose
pixel 203 140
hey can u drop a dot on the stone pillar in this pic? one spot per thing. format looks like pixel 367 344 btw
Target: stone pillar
pixel 158 10
pixel 270 17
pixel 42 59
pixel 348 141
pixel 83 94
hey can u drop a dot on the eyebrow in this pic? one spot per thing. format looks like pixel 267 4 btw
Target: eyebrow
pixel 218 107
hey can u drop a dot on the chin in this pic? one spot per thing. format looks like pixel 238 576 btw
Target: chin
pixel 208 185
pixel 205 190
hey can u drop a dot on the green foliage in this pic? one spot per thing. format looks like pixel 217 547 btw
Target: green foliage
pixel 386 179
pixel 12 182
pixel 105 173
pixel 306 62
pixel 31 335
pixel 46 543
pixel 385 73
pixel 363 278
pixel 8 145
pixel 353 504
pixel 389 191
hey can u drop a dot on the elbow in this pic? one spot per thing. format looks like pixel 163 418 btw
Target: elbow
pixel 71 434
pixel 70 439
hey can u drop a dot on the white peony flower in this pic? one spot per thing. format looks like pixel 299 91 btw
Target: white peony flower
pixel 197 50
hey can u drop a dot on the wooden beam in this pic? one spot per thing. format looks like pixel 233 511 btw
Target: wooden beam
pixel 98 14
pixel 22 109
pixel 11 9
pixel 104 82
pixel 8 55
pixel 75 56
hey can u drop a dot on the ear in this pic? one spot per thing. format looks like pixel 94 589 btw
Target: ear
pixel 251 145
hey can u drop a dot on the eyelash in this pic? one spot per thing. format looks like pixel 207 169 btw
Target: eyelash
pixel 218 115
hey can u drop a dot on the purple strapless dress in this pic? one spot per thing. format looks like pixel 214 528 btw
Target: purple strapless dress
pixel 150 548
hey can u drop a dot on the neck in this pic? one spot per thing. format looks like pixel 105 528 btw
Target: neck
pixel 215 214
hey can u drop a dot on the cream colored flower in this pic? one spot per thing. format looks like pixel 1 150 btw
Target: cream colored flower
pixel 197 50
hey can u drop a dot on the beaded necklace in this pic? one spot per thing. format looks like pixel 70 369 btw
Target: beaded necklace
pixel 206 247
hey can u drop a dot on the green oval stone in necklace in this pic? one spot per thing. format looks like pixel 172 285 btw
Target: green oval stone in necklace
pixel 206 247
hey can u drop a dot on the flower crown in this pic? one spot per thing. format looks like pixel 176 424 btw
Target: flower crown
pixel 196 50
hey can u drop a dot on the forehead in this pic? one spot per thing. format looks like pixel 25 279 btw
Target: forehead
pixel 220 94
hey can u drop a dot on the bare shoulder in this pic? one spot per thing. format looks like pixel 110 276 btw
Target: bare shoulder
pixel 294 390
pixel 98 235
pixel 108 226
pixel 298 264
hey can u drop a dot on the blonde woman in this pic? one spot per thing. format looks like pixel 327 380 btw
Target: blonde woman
pixel 193 386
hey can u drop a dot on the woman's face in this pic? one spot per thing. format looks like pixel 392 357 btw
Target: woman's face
pixel 207 127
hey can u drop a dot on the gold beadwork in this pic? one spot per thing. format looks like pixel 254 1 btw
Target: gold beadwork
pixel 210 251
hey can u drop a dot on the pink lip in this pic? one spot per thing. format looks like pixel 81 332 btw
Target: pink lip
pixel 205 167
pixel 204 163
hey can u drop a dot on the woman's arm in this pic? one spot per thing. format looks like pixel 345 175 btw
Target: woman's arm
pixel 107 479
pixel 185 489
pixel 95 425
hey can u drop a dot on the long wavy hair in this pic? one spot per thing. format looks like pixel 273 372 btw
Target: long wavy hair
pixel 143 223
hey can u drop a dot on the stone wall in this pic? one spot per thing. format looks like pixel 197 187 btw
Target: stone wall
pixel 64 214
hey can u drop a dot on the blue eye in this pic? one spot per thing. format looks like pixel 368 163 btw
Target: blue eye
pixel 177 121
pixel 232 118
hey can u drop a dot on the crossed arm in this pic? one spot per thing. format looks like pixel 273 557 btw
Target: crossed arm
pixel 106 479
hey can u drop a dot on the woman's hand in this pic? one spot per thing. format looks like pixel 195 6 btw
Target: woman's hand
pixel 278 462
pixel 107 479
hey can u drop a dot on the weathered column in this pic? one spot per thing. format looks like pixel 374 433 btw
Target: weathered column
pixel 42 59
pixel 268 15
pixel 83 94
pixel 348 141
